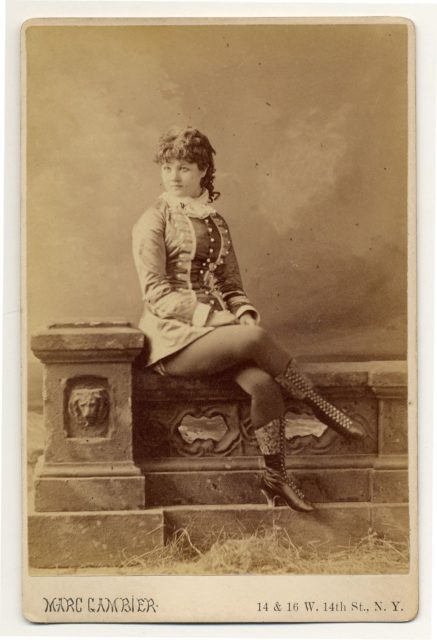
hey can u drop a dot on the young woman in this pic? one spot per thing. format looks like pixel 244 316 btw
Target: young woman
pixel 197 316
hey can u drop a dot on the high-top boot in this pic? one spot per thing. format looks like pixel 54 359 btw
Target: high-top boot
pixel 274 482
pixel 296 384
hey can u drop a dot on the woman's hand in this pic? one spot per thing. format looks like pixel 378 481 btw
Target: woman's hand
pixel 248 318
pixel 219 318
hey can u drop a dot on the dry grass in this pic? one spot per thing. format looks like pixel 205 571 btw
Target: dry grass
pixel 271 552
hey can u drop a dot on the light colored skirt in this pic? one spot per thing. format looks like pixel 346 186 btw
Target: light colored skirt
pixel 168 336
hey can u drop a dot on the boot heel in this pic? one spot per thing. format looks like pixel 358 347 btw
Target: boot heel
pixel 271 498
pixel 275 485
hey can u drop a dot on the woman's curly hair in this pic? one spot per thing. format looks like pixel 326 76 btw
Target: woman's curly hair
pixel 189 144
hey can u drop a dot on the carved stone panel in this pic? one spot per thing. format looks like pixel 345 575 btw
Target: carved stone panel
pixel 310 436
pixel 191 429
pixel 203 428
pixel 86 407
pixel 305 434
pixel 217 428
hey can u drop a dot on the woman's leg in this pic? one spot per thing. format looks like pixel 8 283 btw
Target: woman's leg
pixel 265 394
pixel 236 346
pixel 267 417
pixel 226 347
pixel 231 346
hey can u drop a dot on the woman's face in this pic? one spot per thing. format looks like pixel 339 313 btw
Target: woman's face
pixel 181 178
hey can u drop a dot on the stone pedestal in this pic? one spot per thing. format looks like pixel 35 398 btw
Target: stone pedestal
pixel 87 463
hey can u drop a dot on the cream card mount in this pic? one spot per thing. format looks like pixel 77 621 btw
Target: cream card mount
pixel 142 497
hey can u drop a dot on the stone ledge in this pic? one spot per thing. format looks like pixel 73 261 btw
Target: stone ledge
pixel 108 539
pixel 84 539
pixel 149 386
pixel 335 524
pixel 76 341
pixel 353 375
pixel 242 487
pixel 86 469
pixel 89 494
pixel 213 487
pixel 255 463
pixel 374 373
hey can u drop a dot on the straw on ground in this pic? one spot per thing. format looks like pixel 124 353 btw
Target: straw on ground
pixel 270 552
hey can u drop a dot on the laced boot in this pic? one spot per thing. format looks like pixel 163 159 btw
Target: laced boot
pixel 274 482
pixel 299 386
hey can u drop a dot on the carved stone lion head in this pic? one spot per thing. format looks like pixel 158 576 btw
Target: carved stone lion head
pixel 88 407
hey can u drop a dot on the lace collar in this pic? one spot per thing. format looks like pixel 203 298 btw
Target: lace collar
pixel 194 207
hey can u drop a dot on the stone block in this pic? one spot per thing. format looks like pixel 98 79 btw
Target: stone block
pixel 164 489
pixel 242 487
pixel 87 413
pixel 335 485
pixel 334 524
pixel 391 521
pixel 389 486
pixel 112 340
pixel 75 540
pixel 391 374
pixel 393 426
pixel 89 494
pixel 149 385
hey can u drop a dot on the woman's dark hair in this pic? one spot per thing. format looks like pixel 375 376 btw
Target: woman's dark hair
pixel 191 145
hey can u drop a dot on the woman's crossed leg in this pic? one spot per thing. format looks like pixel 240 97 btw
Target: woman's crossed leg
pixel 226 347
pixel 254 356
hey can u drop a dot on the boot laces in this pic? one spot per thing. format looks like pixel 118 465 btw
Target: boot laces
pixel 291 482
pixel 332 412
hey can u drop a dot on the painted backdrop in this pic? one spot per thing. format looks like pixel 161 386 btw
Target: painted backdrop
pixel 310 128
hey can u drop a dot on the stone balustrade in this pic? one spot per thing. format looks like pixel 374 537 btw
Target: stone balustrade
pixel 122 439
pixel 188 434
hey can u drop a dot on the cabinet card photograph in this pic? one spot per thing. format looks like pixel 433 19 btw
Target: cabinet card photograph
pixel 219 337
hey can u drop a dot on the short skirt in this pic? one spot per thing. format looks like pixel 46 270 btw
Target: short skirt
pixel 168 335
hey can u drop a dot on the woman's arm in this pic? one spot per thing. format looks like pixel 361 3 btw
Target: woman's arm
pixel 150 259
pixel 231 287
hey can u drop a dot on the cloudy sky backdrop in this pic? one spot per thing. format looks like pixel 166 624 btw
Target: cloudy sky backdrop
pixel 310 128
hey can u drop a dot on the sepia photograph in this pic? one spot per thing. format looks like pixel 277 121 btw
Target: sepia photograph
pixel 219 359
